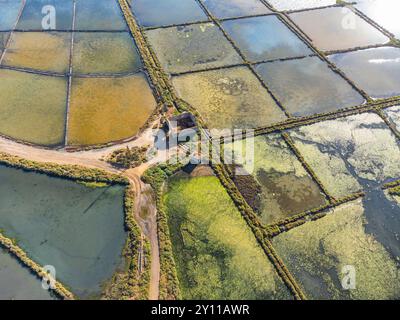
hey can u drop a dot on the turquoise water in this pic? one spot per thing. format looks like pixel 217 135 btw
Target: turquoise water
pixel 17 282
pixel 99 15
pixel 32 16
pixel 152 13
pixel 377 71
pixel 265 38
pixel 224 9
pixel 9 12
pixel 76 229
pixel 308 86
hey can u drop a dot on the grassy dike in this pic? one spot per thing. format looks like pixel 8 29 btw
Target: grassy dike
pixel 123 285
pixel 169 283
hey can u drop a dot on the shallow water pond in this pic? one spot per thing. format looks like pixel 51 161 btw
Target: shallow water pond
pixel 284 186
pixel 383 12
pixel 224 9
pixel 32 107
pixel 337 29
pixel 318 252
pixel 308 86
pixel 152 13
pixel 350 154
pixel 9 13
pixel 45 51
pixel 377 71
pixel 193 47
pixel 99 15
pixel 17 282
pixel 3 40
pixel 77 229
pixel 265 38
pixel 108 109
pixel 32 16
pixel 216 254
pixel 229 98
pixel 282 5
pixel 105 53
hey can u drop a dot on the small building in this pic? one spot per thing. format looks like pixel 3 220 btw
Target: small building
pixel 182 125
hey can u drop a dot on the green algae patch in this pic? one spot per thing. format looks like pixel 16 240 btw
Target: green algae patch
pixel 318 251
pixel 44 51
pixel 191 48
pixel 229 98
pixel 216 254
pixel 105 53
pixel 350 153
pixel 286 188
pixel 108 109
pixel 32 107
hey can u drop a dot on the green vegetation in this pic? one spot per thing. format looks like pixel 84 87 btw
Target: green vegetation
pixel 317 251
pixel 395 191
pixel 169 283
pixel 131 284
pixel 32 107
pixel 128 157
pixel 217 256
pixel 262 234
pixel 71 172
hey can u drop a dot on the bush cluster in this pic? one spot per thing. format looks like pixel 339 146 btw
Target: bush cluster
pixel 128 157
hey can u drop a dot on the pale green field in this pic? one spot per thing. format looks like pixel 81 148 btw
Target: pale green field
pixel 316 253
pixel 216 254
pixel 32 107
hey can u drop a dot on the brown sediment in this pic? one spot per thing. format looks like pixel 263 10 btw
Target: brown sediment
pixel 108 109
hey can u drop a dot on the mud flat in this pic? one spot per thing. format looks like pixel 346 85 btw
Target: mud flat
pixel 283 185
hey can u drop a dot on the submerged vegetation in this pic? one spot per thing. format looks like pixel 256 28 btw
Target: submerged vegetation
pixel 217 256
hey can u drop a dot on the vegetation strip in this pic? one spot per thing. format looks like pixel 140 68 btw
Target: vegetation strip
pixel 71 172
pixel 59 288
pixel 133 284
pixel 169 282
